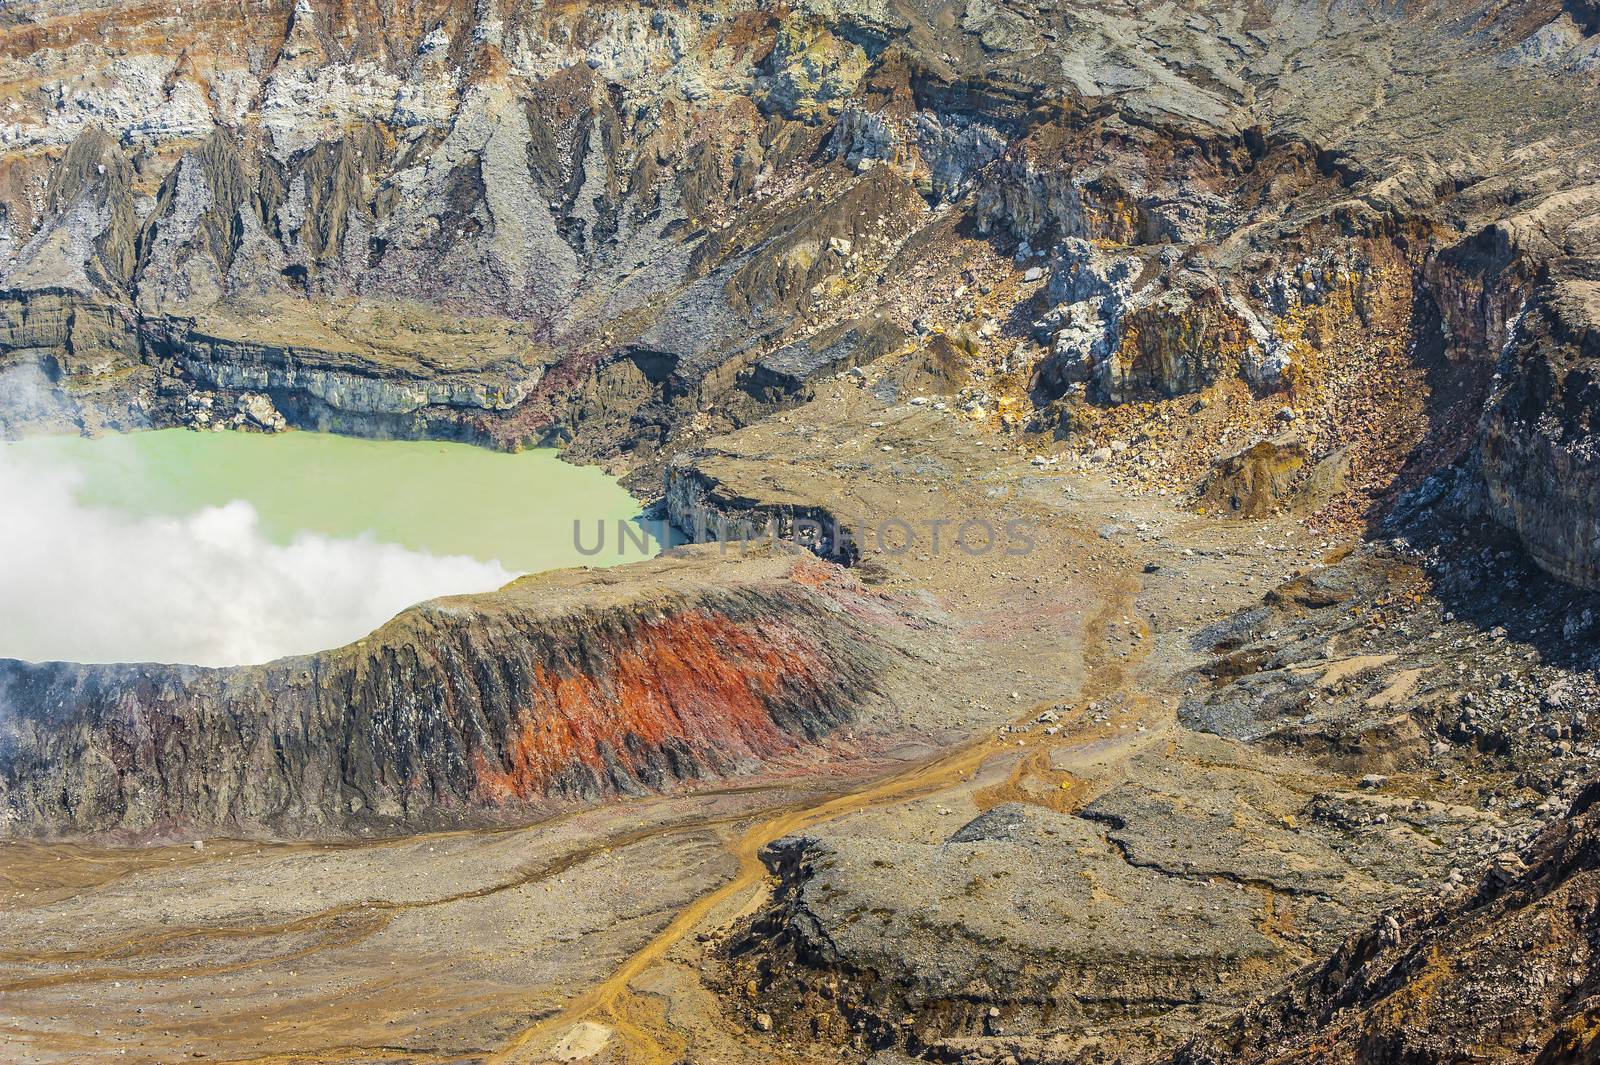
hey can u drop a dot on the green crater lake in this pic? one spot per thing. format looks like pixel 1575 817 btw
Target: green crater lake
pixel 226 548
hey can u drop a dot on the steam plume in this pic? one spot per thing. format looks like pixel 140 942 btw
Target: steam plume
pixel 95 585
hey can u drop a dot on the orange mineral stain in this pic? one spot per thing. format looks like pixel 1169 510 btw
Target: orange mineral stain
pixel 695 680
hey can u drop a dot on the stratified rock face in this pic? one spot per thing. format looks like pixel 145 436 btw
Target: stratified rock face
pixel 569 686
pixel 961 918
pixel 707 509
pixel 785 376
pixel 623 227
pixel 1541 443
pixel 1114 927
pixel 1503 972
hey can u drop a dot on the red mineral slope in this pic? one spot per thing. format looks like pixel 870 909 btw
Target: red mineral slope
pixel 564 686
pixel 697 679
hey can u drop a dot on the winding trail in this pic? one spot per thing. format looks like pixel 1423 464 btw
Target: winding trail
pixel 606 999
pixel 613 1002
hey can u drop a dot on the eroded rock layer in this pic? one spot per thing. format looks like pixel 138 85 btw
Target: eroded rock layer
pixel 1500 970
pixel 572 686
pixel 1132 272
pixel 1163 235
pixel 1542 437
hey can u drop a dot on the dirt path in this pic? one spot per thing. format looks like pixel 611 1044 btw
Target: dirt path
pixel 588 931
pixel 641 1031
pixel 605 1001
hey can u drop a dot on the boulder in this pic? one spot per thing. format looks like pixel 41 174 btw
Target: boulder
pixel 1253 482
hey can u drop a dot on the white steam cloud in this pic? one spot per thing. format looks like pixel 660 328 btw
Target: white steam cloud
pixel 93 584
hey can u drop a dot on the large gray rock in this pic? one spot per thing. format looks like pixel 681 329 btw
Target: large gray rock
pixel 1541 441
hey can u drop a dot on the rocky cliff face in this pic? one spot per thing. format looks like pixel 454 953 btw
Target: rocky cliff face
pixel 707 509
pixel 625 228
pixel 1541 444
pixel 1502 970
pixel 786 263
pixel 570 686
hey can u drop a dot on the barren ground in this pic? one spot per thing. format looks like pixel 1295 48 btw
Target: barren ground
pixel 590 931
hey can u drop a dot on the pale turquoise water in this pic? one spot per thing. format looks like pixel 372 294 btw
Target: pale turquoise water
pixel 222 548
pixel 440 498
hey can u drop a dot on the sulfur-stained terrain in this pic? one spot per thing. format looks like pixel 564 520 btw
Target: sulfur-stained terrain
pixel 1144 467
